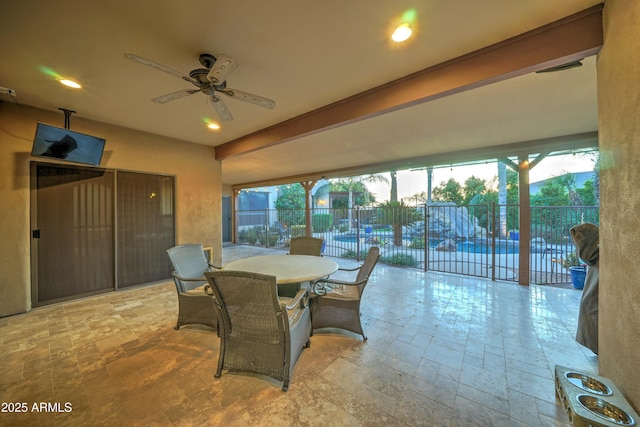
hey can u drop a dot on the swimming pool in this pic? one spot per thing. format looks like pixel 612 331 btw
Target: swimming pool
pixel 471 246
pixel 484 247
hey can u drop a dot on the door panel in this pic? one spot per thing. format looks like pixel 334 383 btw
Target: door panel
pixel 75 225
pixel 145 227
pixel 226 219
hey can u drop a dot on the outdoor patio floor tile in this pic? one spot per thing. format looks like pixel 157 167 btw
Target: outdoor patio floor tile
pixel 442 350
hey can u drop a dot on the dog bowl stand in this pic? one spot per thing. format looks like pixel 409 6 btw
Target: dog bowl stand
pixel 591 400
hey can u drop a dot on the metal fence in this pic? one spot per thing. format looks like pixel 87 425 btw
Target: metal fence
pixel 474 240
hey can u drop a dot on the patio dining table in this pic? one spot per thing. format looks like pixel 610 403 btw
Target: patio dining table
pixel 290 270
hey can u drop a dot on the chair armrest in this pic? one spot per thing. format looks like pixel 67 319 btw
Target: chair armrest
pixel 215 267
pixel 320 287
pixel 300 299
pixel 350 269
pixel 189 279
pixel 342 282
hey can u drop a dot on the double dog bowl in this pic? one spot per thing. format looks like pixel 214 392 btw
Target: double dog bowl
pixel 591 400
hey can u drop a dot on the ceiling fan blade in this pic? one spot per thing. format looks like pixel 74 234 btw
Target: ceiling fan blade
pixel 157 66
pixel 223 66
pixel 249 97
pixel 174 95
pixel 221 108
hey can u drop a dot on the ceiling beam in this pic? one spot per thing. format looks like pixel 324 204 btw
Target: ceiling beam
pixel 564 143
pixel 569 39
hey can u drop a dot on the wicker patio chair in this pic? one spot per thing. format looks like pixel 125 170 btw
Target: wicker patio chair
pixel 260 333
pixel 336 303
pixel 194 305
pixel 306 246
pixel 300 246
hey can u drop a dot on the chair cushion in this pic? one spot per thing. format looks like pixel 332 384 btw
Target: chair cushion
pixel 199 291
pixel 345 292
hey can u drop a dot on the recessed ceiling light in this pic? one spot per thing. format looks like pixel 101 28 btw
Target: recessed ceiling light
pixel 70 83
pixel 213 126
pixel 401 33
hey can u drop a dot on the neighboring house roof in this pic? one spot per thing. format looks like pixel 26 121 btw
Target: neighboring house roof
pixel 580 179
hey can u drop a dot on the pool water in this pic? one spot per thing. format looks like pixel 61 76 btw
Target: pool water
pixel 502 247
pixel 482 247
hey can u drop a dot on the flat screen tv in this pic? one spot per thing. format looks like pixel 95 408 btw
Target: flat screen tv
pixel 64 144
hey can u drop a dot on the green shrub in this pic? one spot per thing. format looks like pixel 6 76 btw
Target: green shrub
pixel 417 243
pixel 257 235
pixel 249 236
pixel 321 222
pixel 271 239
pixel 571 260
pixel 349 254
pixel 343 227
pixel 291 216
pixel 399 259
pixel 297 230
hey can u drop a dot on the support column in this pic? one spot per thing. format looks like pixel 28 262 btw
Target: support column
pixel 234 228
pixel 524 261
pixel 308 186
pixel 523 167
pixel 429 183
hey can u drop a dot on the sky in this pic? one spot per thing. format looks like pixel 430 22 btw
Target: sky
pixel 412 182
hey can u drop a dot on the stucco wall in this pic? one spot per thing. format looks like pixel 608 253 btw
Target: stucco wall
pixel 198 188
pixel 619 133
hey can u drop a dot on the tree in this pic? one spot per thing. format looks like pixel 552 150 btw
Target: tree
pixel 552 193
pixel 290 204
pixel 508 218
pixel 512 187
pixel 588 193
pixel 397 214
pixel 473 186
pixel 352 184
pixel 596 180
pixel 555 192
pixel 450 191
pixel 290 197
pixel 393 197
pixel 417 198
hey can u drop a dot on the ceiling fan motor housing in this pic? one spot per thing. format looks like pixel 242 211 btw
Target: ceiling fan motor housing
pixel 207 60
pixel 200 77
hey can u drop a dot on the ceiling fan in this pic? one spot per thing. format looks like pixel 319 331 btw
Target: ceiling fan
pixel 210 80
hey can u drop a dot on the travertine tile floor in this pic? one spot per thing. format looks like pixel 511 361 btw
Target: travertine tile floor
pixel 443 350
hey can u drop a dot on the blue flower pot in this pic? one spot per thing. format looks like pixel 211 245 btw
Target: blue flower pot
pixel 578 275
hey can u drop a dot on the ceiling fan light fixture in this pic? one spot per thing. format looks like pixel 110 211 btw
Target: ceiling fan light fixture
pixel 401 33
pixel 70 83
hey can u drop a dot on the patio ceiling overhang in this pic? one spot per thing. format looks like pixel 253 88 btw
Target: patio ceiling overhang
pixel 570 39
pixel 578 142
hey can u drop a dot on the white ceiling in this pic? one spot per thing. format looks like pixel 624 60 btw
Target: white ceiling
pixel 304 55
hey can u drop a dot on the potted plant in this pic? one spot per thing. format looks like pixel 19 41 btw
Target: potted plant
pixel 577 270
